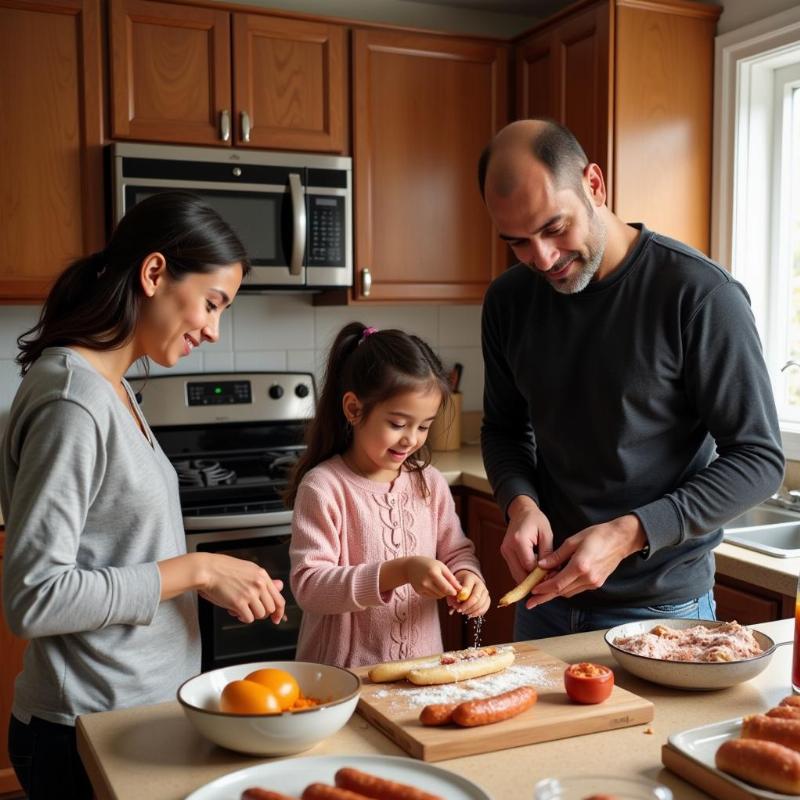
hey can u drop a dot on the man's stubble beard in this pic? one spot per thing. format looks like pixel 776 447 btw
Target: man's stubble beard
pixel 596 246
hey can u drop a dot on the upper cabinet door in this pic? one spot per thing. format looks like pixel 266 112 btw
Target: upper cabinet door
pixel 51 168
pixel 564 72
pixel 289 83
pixel 424 108
pixel 170 73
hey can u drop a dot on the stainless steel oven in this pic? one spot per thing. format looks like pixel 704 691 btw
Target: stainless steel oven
pixel 292 211
pixel 233 438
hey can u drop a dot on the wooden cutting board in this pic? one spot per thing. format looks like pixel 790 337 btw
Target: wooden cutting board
pixel 393 708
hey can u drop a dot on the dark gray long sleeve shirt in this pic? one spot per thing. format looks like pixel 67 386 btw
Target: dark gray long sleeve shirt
pixel 645 393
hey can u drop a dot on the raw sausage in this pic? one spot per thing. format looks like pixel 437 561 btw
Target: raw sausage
pixel 437 714
pixel 378 788
pixel 255 793
pixel 322 791
pixel 766 764
pixel 495 709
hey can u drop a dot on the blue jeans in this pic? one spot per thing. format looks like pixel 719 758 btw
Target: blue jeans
pixel 557 617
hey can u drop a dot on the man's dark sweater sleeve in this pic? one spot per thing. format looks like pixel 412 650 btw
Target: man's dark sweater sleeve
pixel 726 379
pixel 507 440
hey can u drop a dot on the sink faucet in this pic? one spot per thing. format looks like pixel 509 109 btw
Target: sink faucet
pixel 788 364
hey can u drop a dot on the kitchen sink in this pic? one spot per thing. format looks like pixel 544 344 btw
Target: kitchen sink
pixel 773 531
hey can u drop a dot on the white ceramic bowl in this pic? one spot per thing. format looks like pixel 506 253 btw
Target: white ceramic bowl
pixel 272 734
pixel 695 675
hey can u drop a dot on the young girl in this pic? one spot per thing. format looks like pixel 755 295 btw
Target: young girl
pixel 375 536
pixel 96 573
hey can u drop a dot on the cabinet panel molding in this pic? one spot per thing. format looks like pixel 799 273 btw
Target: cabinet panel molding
pixel 290 77
pixel 170 72
pixel 51 190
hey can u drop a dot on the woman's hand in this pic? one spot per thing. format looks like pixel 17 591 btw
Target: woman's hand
pixel 241 587
pixel 478 599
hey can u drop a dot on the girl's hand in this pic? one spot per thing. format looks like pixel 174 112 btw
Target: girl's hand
pixel 478 600
pixel 431 578
pixel 241 587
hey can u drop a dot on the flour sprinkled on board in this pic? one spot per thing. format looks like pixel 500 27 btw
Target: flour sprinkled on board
pixel 404 695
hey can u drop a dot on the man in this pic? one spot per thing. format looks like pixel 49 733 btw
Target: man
pixel 627 408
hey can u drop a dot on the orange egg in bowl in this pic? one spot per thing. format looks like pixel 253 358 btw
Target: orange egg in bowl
pixel 282 684
pixel 240 718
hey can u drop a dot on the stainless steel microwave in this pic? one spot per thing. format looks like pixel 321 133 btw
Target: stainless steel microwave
pixel 292 211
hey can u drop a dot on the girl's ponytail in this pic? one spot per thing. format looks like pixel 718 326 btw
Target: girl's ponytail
pixel 329 432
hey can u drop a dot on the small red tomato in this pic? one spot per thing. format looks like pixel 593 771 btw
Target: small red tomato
pixel 588 683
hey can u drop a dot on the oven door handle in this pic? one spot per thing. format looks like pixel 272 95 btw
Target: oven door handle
pixel 300 224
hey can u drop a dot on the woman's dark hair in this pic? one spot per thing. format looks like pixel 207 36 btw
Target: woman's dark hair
pixel 95 302
pixel 374 365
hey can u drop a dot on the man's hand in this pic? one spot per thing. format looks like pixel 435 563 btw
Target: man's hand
pixel 591 555
pixel 528 537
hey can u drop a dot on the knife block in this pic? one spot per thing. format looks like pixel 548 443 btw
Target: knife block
pixel 445 432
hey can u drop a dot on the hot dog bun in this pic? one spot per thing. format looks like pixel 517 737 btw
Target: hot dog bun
pixel 397 670
pixel 772 729
pixel 766 764
pixel 462 670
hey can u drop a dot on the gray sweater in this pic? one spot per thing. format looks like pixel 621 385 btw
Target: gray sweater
pixel 645 393
pixel 90 507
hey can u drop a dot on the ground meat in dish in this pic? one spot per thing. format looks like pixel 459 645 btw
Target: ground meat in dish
pixel 728 641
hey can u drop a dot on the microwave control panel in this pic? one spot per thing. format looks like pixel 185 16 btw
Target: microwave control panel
pixel 326 237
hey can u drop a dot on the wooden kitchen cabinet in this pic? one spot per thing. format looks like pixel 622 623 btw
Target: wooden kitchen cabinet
pixel 424 107
pixel 633 79
pixel 196 75
pixel 748 604
pixel 486 526
pixel 51 169
pixel 10 666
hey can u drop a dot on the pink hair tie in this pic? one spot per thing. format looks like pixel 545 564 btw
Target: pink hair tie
pixel 367 332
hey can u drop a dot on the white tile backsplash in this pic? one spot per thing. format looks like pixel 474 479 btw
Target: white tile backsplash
pixel 280 332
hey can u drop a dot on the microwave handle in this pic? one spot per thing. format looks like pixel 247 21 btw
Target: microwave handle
pixel 299 217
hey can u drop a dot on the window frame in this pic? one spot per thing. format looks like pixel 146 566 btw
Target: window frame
pixel 745 233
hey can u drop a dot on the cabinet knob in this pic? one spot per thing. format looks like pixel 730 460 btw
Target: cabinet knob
pixel 245 117
pixel 366 281
pixel 225 125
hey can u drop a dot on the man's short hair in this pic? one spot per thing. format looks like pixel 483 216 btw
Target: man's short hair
pixel 557 148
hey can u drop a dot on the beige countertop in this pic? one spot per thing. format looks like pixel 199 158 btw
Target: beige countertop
pixel 153 752
pixel 465 468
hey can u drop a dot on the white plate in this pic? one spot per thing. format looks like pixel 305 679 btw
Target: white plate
pixel 292 775
pixel 701 744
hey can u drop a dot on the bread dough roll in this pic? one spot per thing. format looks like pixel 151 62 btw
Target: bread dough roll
pixel 761 763
pixel 462 670
pixel 772 729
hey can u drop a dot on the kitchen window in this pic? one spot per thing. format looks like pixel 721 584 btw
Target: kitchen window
pixel 756 209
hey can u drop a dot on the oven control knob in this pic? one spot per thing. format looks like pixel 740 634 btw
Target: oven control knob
pixel 276 391
pixel 301 390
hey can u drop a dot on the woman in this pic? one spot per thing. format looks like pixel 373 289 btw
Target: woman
pixel 96 573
